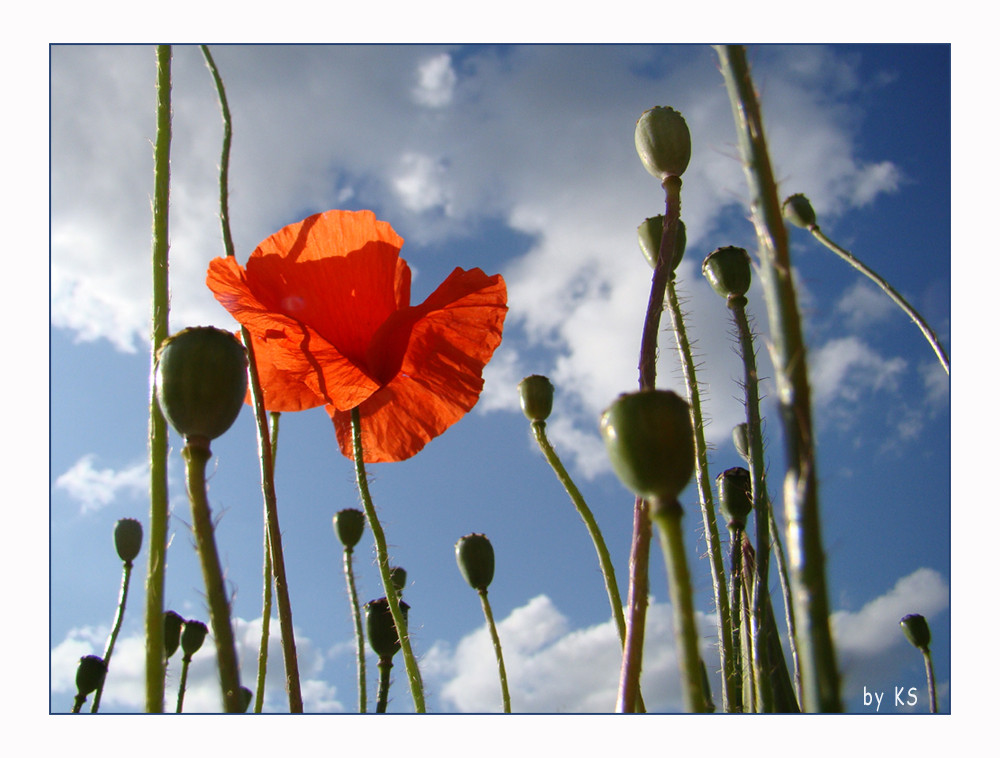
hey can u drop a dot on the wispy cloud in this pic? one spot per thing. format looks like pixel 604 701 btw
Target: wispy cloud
pixel 95 487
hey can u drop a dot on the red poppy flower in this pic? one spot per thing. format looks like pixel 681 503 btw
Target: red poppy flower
pixel 327 305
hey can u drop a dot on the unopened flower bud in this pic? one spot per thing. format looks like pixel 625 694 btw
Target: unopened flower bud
pixel 799 211
pixel 740 440
pixel 201 381
pixel 382 634
pixel 474 554
pixel 172 623
pixel 651 237
pixel 192 637
pixel 650 442
pixel 728 271
pixel 916 630
pixel 663 142
pixel 735 500
pixel 90 674
pixel 536 397
pixel 128 539
pixel 246 697
pixel 349 524
pixel 397 574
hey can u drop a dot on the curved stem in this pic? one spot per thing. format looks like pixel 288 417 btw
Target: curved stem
pixel 119 616
pixel 358 630
pixel 488 612
pixel 382 556
pixel 196 456
pixel 888 289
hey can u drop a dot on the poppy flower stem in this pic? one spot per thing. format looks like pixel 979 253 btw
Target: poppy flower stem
pixel 119 616
pixel 265 615
pixel 488 613
pixel 382 556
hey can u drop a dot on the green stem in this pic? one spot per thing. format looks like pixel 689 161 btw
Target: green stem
pixel 382 556
pixel 196 456
pixel 888 289
pixel 358 630
pixel 667 517
pixel 182 687
pixel 382 699
pixel 786 593
pixel 116 627
pixel 931 684
pixel 820 678
pixel 737 703
pixel 488 612
pixel 730 676
pixel 265 614
pixel 158 432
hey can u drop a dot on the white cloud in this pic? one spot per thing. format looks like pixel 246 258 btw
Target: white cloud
pixel 845 368
pixel 95 488
pixel 435 82
pixel 864 305
pixel 420 183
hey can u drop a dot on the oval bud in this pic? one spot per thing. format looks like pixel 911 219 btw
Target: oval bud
pixel 663 142
pixel 650 442
pixel 382 635
pixel 651 236
pixel 798 210
pixel 397 574
pixel 201 381
pixel 172 623
pixel 246 697
pixel 90 674
pixel 916 630
pixel 128 539
pixel 193 637
pixel 740 440
pixel 728 271
pixel 735 500
pixel 476 561
pixel 349 524
pixel 536 397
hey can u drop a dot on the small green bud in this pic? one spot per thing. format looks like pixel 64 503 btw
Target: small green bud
pixel 735 500
pixel 474 554
pixel 398 576
pixel 192 637
pixel 246 697
pixel 172 623
pixel 728 271
pixel 798 210
pixel 663 142
pixel 536 397
pixel 740 440
pixel 128 539
pixel 651 236
pixel 916 630
pixel 349 524
pixel 650 442
pixel 90 674
pixel 201 381
pixel 382 634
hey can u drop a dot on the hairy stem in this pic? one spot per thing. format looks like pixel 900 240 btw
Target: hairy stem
pixel 359 633
pixel 116 627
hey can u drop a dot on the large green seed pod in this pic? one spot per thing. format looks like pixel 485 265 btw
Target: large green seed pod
pixel 651 237
pixel 798 210
pixel 193 637
pixel 735 500
pixel 663 142
pixel 349 524
pixel 476 560
pixel 916 630
pixel 201 381
pixel 90 674
pixel 650 442
pixel 536 397
pixel 128 539
pixel 172 623
pixel 728 270
pixel 382 635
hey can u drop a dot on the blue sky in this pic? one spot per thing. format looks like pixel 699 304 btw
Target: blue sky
pixel 518 160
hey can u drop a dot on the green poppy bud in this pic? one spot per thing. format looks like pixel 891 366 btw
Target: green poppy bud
pixel 128 539
pixel 172 623
pixel 651 236
pixel 650 442
pixel 735 500
pixel 201 381
pixel 398 576
pixel 349 524
pixel 90 674
pixel 799 211
pixel 916 630
pixel 663 142
pixel 192 637
pixel 382 634
pixel 474 554
pixel 536 397
pixel 740 440
pixel 728 271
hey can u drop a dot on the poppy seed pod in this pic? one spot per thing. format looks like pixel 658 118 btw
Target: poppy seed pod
pixel 740 441
pixel 128 539
pixel 201 381
pixel 728 271
pixel 651 237
pixel 916 630
pixel 798 210
pixel 382 635
pixel 398 576
pixel 474 554
pixel 193 637
pixel 650 442
pixel 536 397
pixel 663 142
pixel 90 674
pixel 734 496
pixel 349 524
pixel 172 623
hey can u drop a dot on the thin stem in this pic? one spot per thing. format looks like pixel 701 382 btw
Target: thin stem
pixel 730 676
pixel 382 699
pixel 382 555
pixel 931 684
pixel 888 289
pixel 488 612
pixel 265 614
pixel 667 517
pixel 196 456
pixel 820 678
pixel 158 432
pixel 786 593
pixel 116 627
pixel 182 687
pixel 359 633
pixel 736 704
